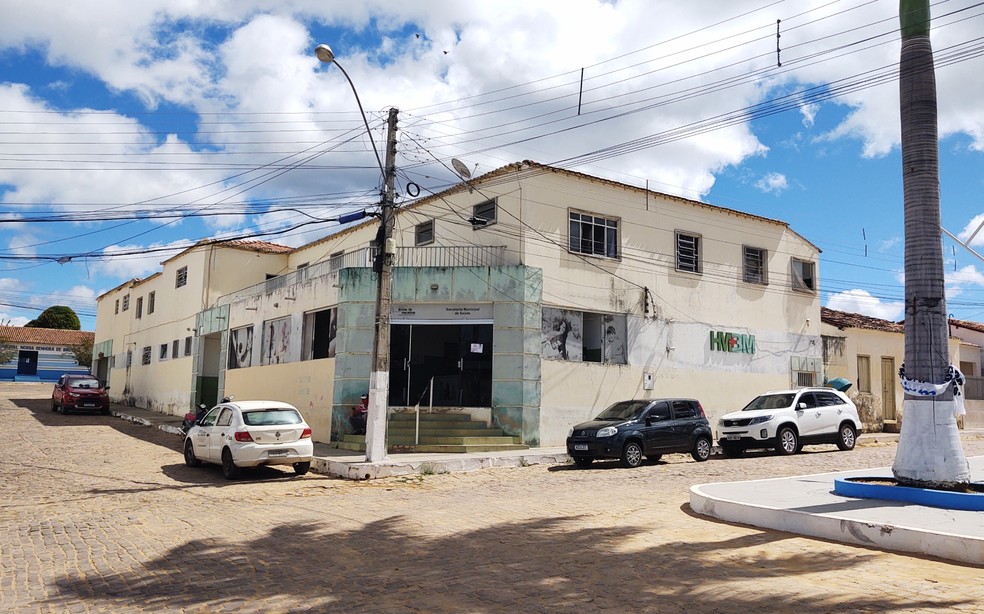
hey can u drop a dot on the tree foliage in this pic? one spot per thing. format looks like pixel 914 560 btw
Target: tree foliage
pixel 83 354
pixel 58 316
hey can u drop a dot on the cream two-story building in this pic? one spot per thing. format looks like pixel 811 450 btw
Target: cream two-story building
pixel 530 297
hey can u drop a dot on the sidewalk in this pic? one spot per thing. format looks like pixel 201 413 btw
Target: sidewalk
pixel 352 465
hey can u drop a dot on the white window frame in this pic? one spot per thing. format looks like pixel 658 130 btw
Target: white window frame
pixel 579 221
pixel 799 279
pixel 481 212
pixel 422 231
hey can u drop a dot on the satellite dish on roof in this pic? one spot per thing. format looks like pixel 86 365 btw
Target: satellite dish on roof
pixel 460 168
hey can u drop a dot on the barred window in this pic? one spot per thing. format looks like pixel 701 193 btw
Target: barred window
pixel 687 252
pixel 755 265
pixel 126 303
pixel 145 359
pixel 181 277
pixel 593 235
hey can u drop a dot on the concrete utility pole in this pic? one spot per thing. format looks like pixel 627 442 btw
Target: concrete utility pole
pixel 379 378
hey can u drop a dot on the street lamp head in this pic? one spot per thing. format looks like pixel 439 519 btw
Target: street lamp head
pixel 324 53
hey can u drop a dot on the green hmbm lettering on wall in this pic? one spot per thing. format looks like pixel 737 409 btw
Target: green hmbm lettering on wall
pixel 732 342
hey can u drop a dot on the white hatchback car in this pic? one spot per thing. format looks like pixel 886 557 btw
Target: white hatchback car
pixel 239 434
pixel 789 419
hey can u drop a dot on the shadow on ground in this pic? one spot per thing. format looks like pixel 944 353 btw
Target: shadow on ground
pixel 537 565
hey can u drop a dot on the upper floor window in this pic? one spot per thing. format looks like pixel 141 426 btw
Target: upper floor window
pixel 126 303
pixel 754 262
pixel 150 302
pixel 803 275
pixel 162 354
pixel 335 261
pixel 594 235
pixel 175 346
pixel 687 252
pixel 483 214
pixel 181 277
pixel 424 233
pixel 116 308
pixel 145 358
pixel 188 346
pixel 139 307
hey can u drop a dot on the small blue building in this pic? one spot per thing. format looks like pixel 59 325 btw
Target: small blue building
pixel 43 354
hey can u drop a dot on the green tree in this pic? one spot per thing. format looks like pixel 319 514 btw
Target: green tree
pixel 83 354
pixel 58 316
pixel 929 453
pixel 7 352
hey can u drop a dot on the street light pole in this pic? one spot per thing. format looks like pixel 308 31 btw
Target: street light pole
pixel 379 377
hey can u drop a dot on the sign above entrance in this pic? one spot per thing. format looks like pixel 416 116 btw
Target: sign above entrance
pixel 429 312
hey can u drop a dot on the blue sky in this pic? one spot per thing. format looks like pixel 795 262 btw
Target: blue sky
pixel 129 130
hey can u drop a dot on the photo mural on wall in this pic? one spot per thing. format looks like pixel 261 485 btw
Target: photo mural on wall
pixel 276 341
pixel 561 334
pixel 241 347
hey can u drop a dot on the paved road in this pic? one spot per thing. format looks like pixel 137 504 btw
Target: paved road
pixel 100 515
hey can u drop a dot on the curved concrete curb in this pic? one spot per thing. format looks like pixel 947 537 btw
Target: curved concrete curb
pixel 806 505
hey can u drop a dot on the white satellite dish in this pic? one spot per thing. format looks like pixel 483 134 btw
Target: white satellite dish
pixel 460 168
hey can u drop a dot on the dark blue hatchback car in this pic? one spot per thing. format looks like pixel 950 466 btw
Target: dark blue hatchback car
pixel 631 430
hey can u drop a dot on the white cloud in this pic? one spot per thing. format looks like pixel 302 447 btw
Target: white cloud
pixel 7 320
pixel 136 262
pixel 861 301
pixel 809 113
pixel 772 183
pixel 975 228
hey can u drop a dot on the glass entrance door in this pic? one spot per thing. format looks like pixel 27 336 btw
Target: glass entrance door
pixel 455 358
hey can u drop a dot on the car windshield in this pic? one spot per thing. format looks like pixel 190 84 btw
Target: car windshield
pixel 771 401
pixel 269 417
pixel 83 383
pixel 623 410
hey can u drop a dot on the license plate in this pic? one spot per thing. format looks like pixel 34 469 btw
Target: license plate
pixel 87 404
pixel 277 453
pixel 733 437
pixel 580 446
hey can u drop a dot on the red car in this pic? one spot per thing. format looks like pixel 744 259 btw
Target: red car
pixel 79 393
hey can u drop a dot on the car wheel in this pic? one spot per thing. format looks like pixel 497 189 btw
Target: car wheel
pixel 632 454
pixel 847 437
pixel 702 449
pixel 583 461
pixel 653 457
pixel 302 468
pixel 788 441
pixel 229 468
pixel 54 406
pixel 190 459
pixel 105 412
pixel 731 450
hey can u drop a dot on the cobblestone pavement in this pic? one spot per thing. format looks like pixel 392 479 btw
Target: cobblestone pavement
pixel 100 515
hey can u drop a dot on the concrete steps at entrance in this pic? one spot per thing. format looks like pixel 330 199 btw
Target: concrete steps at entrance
pixel 439 433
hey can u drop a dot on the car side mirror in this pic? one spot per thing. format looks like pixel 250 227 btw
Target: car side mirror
pixel 801 405
pixel 106 388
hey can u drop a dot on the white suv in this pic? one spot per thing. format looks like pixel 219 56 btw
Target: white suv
pixel 789 419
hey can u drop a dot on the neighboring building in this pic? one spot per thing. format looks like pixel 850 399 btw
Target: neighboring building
pixel 147 343
pixel 43 354
pixel 869 351
pixel 530 298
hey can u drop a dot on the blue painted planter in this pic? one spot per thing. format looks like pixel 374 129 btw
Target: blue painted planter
pixel 853 487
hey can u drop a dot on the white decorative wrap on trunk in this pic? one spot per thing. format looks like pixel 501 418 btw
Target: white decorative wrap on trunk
pixel 924 389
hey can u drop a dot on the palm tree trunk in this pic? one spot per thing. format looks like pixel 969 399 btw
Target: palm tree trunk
pixel 930 453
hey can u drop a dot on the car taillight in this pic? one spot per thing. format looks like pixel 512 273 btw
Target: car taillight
pixel 701 410
pixel 306 434
pixel 243 436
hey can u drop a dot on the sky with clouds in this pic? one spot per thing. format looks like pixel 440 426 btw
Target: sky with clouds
pixel 131 129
